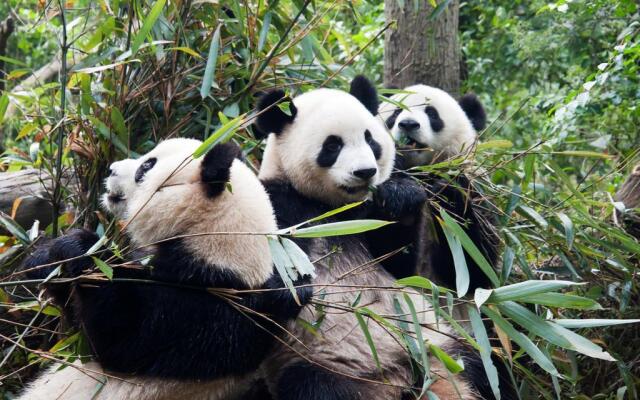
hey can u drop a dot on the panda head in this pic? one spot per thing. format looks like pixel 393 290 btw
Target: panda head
pixel 328 144
pixel 167 193
pixel 432 118
pixel 119 184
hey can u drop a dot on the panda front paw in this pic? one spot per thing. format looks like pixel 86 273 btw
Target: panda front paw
pixel 67 247
pixel 399 197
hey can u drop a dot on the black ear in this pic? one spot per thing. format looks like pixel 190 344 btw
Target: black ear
pixel 272 118
pixel 216 165
pixel 363 90
pixel 474 110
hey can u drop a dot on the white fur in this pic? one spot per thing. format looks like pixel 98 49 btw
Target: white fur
pixel 169 201
pixel 89 382
pixel 292 154
pixel 458 134
pixel 119 184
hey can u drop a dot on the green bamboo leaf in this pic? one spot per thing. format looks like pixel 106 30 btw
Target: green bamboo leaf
pixel 568 228
pixel 451 364
pixel 583 153
pixel 119 125
pixel 533 215
pixel 507 263
pixel 420 282
pixel 186 50
pixel 551 332
pixel 459 261
pixel 13 61
pixel 404 326
pixel 592 323
pixel 283 265
pixel 14 228
pixel 418 331
pixel 367 335
pixel 340 228
pixel 224 133
pixel 298 257
pixel 334 212
pixel 495 144
pixel 266 22
pixel 103 267
pixel 519 291
pixel 207 78
pixel 480 333
pixel 524 342
pixel 470 247
pixel 148 23
pixel 562 300
pixel 64 343
pixel 4 104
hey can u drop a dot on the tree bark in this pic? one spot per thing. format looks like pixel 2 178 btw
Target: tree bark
pixel 30 186
pixel 423 47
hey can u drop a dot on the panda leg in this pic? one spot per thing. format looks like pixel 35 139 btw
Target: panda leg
pixel 304 381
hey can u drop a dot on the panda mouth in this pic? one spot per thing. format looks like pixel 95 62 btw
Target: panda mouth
pixel 354 189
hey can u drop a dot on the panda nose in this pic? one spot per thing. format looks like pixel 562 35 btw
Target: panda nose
pixel 366 173
pixel 409 124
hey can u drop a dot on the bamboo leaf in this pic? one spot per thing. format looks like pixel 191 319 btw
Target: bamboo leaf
pixel 224 133
pixel 459 261
pixel 533 215
pixel 562 300
pixel 568 228
pixel 495 144
pixel 419 282
pixel 524 342
pixel 418 332
pixel 148 23
pixel 282 264
pixel 552 332
pixel 470 247
pixel 340 228
pixel 298 257
pixel 485 350
pixel 4 103
pixel 103 267
pixel 210 68
pixel 13 228
pixel 266 22
pixel 593 323
pixel 452 365
pixel 520 290
pixel 367 335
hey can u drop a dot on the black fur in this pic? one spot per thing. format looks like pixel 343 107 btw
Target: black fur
pixel 474 110
pixel 172 327
pixel 330 151
pixel 474 371
pixel 391 121
pixel 437 124
pixel 457 198
pixel 215 167
pixel 363 90
pixel 271 118
pixel 375 146
pixel 306 381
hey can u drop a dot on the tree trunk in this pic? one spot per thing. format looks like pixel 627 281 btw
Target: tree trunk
pixel 423 47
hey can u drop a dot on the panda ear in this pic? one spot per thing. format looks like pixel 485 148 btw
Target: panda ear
pixel 271 117
pixel 216 167
pixel 363 90
pixel 474 110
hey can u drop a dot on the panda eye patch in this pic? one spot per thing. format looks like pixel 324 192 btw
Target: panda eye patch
pixel 143 168
pixel 330 150
pixel 375 146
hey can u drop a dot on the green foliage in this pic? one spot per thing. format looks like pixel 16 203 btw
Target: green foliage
pixel 560 81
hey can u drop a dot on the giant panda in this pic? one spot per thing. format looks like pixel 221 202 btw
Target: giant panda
pixel 432 126
pixel 328 149
pixel 156 331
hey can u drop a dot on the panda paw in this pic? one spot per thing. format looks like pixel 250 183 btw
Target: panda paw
pixel 399 197
pixel 74 244
pixel 447 192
